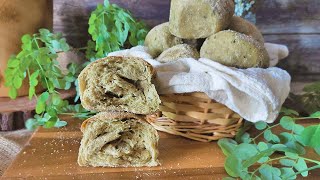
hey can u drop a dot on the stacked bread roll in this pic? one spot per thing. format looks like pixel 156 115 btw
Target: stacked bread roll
pixel 120 89
pixel 207 29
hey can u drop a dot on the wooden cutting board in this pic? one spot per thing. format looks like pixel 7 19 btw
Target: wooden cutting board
pixel 52 154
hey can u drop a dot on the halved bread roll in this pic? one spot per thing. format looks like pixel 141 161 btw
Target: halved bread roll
pixel 118 140
pixel 119 84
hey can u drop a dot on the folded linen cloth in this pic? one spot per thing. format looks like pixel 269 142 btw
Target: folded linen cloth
pixel 256 94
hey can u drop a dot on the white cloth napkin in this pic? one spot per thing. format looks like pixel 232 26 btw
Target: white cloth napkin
pixel 256 94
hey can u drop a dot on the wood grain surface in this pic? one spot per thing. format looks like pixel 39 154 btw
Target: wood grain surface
pixel 295 23
pixel 52 154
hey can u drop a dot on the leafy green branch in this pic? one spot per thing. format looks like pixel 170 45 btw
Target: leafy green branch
pixel 37 62
pixel 111 29
pixel 256 157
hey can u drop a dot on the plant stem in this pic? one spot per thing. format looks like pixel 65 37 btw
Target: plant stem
pixel 263 132
pixel 79 49
pixel 45 78
pixel 308 169
pixel 274 159
pixel 311 160
pixel 35 94
pixel 305 118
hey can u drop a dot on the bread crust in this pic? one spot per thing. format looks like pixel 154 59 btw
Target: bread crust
pixel 160 39
pixel 194 19
pixel 91 103
pixel 243 26
pixel 243 50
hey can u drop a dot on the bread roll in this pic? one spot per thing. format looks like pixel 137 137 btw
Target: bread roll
pixel 118 84
pixel 159 39
pixel 196 43
pixel 235 49
pixel 245 27
pixel 194 19
pixel 177 52
pixel 118 139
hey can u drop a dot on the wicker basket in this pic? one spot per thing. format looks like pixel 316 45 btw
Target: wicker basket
pixel 195 116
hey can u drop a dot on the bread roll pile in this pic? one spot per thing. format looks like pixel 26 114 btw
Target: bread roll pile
pixel 120 89
pixel 207 28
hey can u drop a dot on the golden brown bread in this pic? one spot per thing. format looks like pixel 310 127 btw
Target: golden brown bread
pixel 243 26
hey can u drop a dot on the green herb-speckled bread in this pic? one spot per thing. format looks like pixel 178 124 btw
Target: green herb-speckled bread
pixel 235 50
pixel 118 139
pixel 177 52
pixel 159 39
pixel 194 19
pixel 119 84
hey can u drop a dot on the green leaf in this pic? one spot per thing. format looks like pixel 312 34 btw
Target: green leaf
pixel 51 123
pixel 311 136
pixel 12 63
pixel 295 147
pixel 287 162
pixel 227 146
pixel 252 160
pixel 288 174
pixel 245 151
pixel 17 82
pixel 298 129
pixel 44 32
pixel 55 45
pixel 268 172
pixel 289 112
pixel 26 39
pixel 56 100
pixel 301 165
pixel 263 160
pixel 31 124
pixel 261 125
pixel 317 150
pixel 292 155
pixel 287 122
pixel 262 146
pixel 13 93
pixel 40 107
pixel 233 166
pixel 44 97
pixel 60 124
pixel 106 3
pixel 41 103
pixel 241 131
pixel 270 137
pixel 32 92
pixel 315 115
pixel 246 138
pixel 278 147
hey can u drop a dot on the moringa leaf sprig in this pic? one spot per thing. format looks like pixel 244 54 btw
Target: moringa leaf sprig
pixel 111 29
pixel 256 157
pixel 37 62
